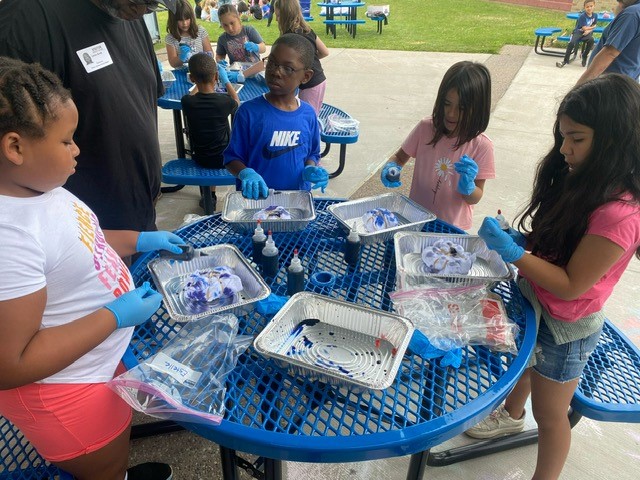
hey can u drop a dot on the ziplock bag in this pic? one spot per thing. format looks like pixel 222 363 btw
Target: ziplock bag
pixel 185 380
pixel 456 317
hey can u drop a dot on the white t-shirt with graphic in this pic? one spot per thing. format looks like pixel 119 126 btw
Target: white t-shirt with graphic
pixel 54 241
pixel 435 181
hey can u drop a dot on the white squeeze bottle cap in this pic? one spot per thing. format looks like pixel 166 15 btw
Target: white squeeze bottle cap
pixel 353 234
pixel 296 264
pixel 504 225
pixel 270 246
pixel 258 233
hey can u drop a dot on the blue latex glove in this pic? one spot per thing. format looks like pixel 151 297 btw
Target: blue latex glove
pixel 235 76
pixel 467 168
pixel 421 346
pixel 390 175
pixel 251 47
pixel 184 52
pixel 517 237
pixel 500 241
pixel 135 307
pixel 150 241
pixel 318 177
pixel 222 75
pixel 253 185
pixel 270 305
pixel 224 63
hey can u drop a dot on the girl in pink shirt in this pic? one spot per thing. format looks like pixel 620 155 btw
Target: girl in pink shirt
pixel 453 156
pixel 582 228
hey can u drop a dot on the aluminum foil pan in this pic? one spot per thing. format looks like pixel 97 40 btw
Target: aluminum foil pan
pixel 238 211
pixel 411 270
pixel 170 276
pixel 411 216
pixel 336 342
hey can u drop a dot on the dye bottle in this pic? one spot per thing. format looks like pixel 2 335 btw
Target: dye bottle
pixel 270 265
pixel 259 240
pixel 352 249
pixel 295 275
pixel 504 225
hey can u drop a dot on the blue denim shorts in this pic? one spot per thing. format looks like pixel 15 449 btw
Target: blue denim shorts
pixel 562 363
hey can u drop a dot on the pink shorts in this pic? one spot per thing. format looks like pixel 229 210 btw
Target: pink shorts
pixel 65 421
pixel 314 96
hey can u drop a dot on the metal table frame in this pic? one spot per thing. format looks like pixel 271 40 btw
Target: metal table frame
pixel 279 416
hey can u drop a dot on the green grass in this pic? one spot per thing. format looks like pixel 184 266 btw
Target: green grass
pixel 467 26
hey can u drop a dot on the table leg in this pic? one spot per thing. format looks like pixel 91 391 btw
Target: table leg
pixel 228 464
pixel 417 465
pixel 272 469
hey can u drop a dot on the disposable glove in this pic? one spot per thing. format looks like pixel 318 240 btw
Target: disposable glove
pixel 270 305
pixel 150 241
pixel 517 237
pixel 421 346
pixel 224 63
pixel 390 175
pixel 467 168
pixel 135 307
pixel 318 177
pixel 184 52
pixel 235 76
pixel 253 185
pixel 500 241
pixel 223 77
pixel 251 47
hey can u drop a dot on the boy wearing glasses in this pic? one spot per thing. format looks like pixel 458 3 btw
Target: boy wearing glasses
pixel 275 138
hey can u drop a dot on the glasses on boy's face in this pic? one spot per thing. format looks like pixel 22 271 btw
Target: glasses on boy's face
pixel 150 5
pixel 286 70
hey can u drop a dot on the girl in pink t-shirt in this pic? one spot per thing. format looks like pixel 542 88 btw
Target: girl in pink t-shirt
pixel 582 228
pixel 453 156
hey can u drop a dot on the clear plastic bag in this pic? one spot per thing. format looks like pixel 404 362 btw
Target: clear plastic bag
pixel 185 380
pixel 337 124
pixel 455 317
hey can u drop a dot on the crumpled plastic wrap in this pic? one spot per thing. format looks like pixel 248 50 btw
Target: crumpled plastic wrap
pixel 185 380
pixel 455 317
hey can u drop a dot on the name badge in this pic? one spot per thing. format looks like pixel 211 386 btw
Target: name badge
pixel 95 57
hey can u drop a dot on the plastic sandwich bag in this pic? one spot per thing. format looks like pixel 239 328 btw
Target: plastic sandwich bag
pixel 185 380
pixel 455 317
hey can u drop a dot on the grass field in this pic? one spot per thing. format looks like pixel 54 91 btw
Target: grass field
pixel 470 26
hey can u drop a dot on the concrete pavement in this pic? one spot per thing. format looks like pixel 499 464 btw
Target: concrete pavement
pixel 388 92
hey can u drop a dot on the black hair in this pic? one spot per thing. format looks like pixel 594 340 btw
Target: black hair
pixel 300 44
pixel 202 68
pixel 228 8
pixel 184 11
pixel 29 95
pixel 562 201
pixel 472 81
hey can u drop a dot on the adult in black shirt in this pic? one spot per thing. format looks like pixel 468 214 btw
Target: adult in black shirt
pixel 103 53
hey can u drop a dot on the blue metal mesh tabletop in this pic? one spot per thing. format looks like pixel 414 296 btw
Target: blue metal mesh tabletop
pixel 283 416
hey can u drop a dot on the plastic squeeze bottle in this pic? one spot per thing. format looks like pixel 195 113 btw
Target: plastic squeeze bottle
pixel 504 225
pixel 295 275
pixel 352 250
pixel 270 265
pixel 259 240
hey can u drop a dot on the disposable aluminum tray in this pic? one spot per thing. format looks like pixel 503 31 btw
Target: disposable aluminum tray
pixel 411 216
pixel 238 211
pixel 411 270
pixel 170 276
pixel 336 342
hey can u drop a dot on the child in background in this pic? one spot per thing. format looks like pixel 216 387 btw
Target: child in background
pixel 453 155
pixel 275 139
pixel 185 36
pixel 290 20
pixel 583 32
pixel 67 301
pixel 240 43
pixel 210 11
pixel 582 227
pixel 207 113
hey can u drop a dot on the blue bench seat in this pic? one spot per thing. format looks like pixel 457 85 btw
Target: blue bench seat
pixel 340 137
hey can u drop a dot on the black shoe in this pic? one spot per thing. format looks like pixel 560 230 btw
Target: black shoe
pixel 150 471
pixel 560 64
pixel 213 198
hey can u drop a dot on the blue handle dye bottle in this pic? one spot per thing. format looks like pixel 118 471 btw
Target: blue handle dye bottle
pixel 295 275
pixel 270 264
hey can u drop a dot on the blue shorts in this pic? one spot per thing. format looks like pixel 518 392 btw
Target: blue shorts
pixel 562 363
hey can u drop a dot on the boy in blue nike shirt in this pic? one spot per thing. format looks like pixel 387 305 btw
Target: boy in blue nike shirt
pixel 275 138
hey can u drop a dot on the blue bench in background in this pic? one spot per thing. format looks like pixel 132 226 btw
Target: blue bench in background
pixel 342 137
pixel 542 34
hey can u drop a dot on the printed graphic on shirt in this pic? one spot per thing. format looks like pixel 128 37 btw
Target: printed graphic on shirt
pixel 95 57
pixel 112 271
pixel 236 51
pixel 282 141
pixel 444 171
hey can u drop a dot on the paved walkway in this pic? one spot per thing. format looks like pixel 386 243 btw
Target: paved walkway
pixel 388 92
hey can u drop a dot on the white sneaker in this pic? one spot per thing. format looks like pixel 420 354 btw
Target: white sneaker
pixel 498 423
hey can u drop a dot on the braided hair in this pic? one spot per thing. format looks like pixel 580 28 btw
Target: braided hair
pixel 29 95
